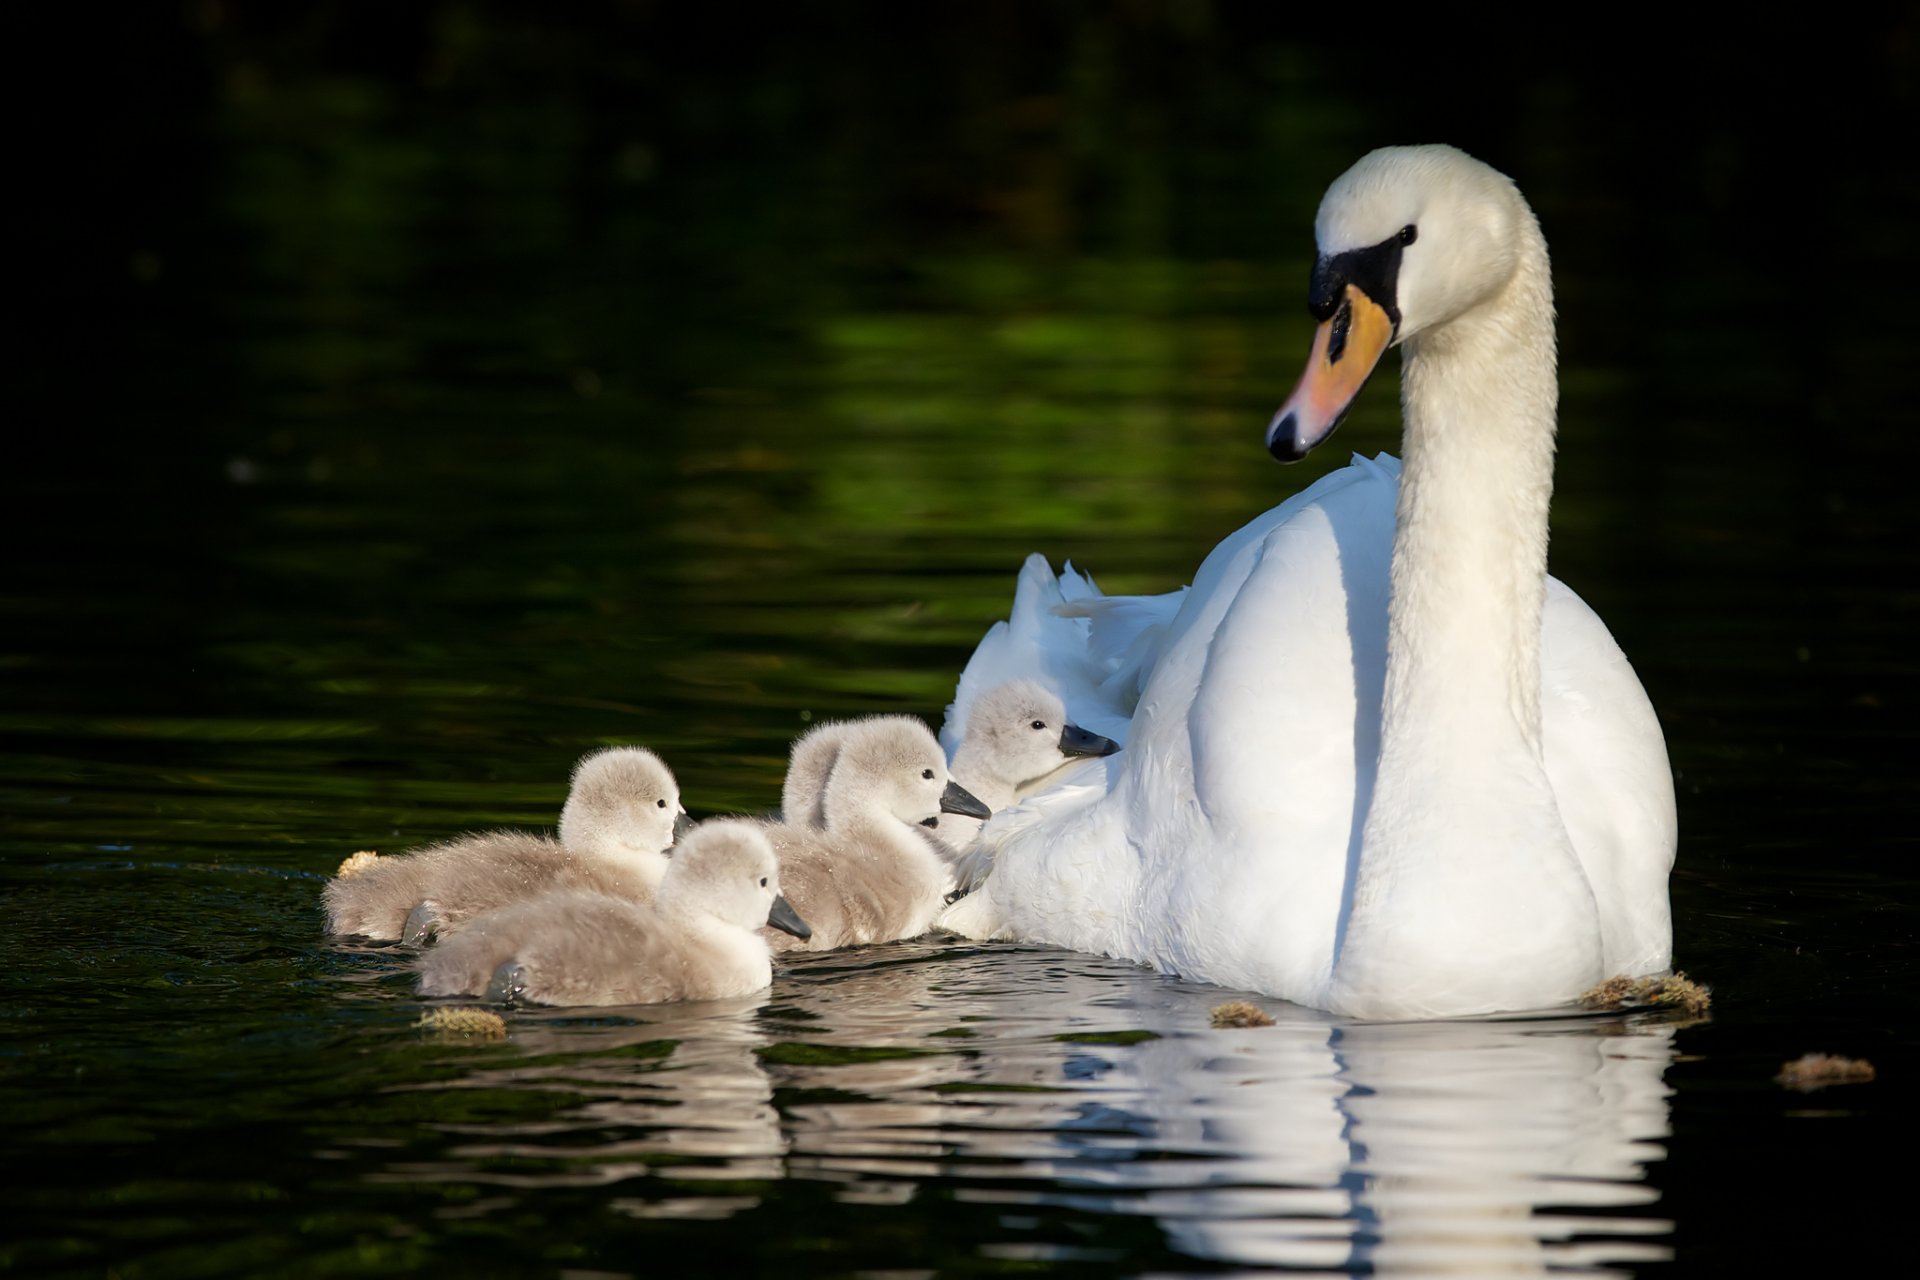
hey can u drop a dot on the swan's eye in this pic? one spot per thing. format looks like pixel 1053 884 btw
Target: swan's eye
pixel 927 774
pixel 1039 724
pixel 661 803
pixel 763 882
pixel 1409 233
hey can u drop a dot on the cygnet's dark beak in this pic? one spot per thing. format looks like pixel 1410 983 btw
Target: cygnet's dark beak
pixel 957 799
pixel 681 825
pixel 1075 741
pixel 783 918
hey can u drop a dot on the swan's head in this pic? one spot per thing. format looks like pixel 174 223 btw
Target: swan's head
pixel 893 766
pixel 624 801
pixel 1409 239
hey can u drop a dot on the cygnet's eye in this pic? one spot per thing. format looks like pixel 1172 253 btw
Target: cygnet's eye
pixel 927 774
pixel 763 882
pixel 1039 724
pixel 1409 233
pixel 661 802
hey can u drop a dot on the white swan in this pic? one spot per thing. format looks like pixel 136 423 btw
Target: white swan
pixel 1381 763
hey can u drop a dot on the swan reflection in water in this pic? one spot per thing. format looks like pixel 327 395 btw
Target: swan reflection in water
pixel 1449 1146
pixel 1030 1087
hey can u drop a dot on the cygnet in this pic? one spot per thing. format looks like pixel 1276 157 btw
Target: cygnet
pixel 699 939
pixel 622 812
pixel 866 874
pixel 1017 737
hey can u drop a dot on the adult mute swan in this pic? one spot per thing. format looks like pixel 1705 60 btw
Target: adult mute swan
pixel 1381 763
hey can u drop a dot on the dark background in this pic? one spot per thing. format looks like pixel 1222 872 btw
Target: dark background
pixel 411 396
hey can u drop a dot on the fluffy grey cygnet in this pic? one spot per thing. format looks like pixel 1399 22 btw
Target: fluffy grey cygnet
pixel 1017 735
pixel 866 873
pixel 622 813
pixel 699 939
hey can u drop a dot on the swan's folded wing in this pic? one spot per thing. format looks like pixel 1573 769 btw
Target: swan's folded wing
pixel 1607 759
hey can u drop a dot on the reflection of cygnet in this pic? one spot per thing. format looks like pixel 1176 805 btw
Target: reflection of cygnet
pixel 866 874
pixel 621 814
pixel 697 941
pixel 1017 733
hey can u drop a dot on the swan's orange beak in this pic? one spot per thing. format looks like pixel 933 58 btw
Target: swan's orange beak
pixel 1346 347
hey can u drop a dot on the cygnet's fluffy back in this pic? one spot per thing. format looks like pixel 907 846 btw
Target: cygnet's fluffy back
pixel 619 819
pixel 808 765
pixel 699 939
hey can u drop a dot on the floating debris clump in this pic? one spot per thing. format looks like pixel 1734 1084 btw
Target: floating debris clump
pixel 465 1021
pixel 1610 994
pixel 1679 991
pixel 1818 1070
pixel 355 863
pixel 1674 991
pixel 1238 1013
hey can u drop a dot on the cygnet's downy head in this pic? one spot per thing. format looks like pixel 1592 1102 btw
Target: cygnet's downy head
pixel 893 765
pixel 1409 238
pixel 623 801
pixel 726 869
pixel 1018 732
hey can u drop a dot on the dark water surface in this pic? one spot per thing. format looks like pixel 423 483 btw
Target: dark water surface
pixel 416 403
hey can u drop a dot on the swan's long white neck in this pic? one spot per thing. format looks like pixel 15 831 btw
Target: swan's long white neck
pixel 1479 395
pixel 1468 895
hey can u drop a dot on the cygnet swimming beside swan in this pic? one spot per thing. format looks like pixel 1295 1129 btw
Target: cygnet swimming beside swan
pixel 621 814
pixel 866 873
pixel 1017 739
pixel 699 939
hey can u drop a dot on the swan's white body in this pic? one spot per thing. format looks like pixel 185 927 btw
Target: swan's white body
pixel 1380 763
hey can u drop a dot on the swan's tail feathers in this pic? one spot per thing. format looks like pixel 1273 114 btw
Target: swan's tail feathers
pixel 1094 650
pixel 1126 637
pixel 1032 644
pixel 1076 586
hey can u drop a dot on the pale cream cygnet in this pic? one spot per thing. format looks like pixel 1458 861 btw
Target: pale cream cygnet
pixel 866 873
pixel 1017 735
pixel 699 939
pixel 621 815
